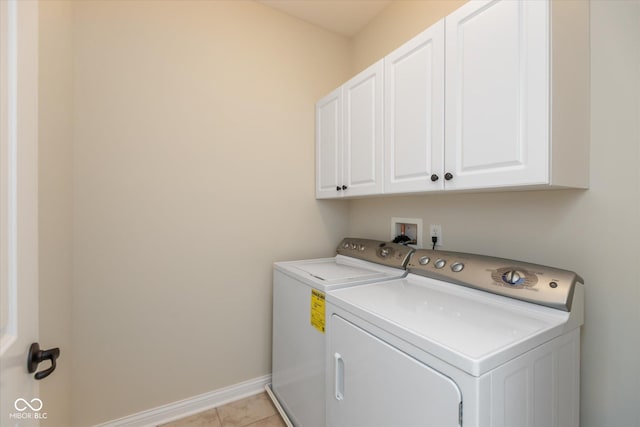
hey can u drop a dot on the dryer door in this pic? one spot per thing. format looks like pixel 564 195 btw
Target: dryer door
pixel 373 384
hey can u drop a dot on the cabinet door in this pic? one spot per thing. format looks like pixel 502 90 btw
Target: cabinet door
pixel 329 145
pixel 497 94
pixel 362 100
pixel 414 114
pixel 372 384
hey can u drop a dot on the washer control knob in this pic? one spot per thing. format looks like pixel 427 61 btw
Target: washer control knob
pixel 354 246
pixel 384 252
pixel 440 263
pixel 424 260
pixel 362 248
pixel 345 245
pixel 457 267
pixel 512 277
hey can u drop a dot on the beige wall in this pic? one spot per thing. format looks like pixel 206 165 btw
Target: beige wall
pixel 396 24
pixel 193 140
pixel 594 232
pixel 55 202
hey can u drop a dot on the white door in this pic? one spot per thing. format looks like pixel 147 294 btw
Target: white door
pixel 497 94
pixel 372 384
pixel 414 114
pixel 362 101
pixel 329 146
pixel 19 400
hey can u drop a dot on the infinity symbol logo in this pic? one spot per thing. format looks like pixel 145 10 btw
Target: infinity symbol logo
pixel 21 404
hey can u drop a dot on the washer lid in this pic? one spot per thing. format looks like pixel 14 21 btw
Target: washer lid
pixel 473 330
pixel 340 271
pixel 332 272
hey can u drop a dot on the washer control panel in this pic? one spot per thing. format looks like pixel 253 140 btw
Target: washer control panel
pixel 533 283
pixel 385 253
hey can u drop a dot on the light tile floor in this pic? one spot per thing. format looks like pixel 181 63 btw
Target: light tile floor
pixel 253 411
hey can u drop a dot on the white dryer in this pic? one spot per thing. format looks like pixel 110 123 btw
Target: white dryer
pixel 299 288
pixel 462 340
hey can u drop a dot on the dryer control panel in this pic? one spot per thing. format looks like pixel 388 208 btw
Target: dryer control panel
pixel 533 283
pixel 385 253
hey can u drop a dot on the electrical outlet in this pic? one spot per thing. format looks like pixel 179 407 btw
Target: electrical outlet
pixel 435 230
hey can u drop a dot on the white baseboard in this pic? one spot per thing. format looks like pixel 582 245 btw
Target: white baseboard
pixel 184 408
pixel 276 402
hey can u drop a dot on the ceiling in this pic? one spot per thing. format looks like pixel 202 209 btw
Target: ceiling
pixel 345 17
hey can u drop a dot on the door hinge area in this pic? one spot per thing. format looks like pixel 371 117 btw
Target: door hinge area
pixel 460 414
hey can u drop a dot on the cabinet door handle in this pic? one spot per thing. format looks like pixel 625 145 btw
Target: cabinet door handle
pixel 434 177
pixel 339 376
pixel 338 188
pixel 344 187
pixel 448 176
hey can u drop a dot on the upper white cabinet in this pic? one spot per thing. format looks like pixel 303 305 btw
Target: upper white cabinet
pixel 349 150
pixel 414 114
pixel 329 144
pixel 494 96
pixel 517 95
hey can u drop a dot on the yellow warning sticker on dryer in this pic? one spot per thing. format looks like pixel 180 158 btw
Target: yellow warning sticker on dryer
pixel 317 310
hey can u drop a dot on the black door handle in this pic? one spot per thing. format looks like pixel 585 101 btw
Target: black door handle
pixel 36 356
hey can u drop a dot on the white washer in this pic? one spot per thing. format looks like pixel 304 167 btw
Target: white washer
pixel 502 350
pixel 299 287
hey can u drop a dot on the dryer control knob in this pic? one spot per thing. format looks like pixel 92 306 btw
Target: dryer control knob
pixel 384 252
pixel 424 260
pixel 512 277
pixel 440 263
